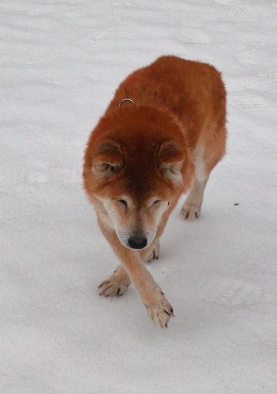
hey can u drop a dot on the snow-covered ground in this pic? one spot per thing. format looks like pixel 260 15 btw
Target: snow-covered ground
pixel 61 61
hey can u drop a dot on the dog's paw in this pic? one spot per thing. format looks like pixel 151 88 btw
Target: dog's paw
pixel 190 211
pixel 154 254
pixel 114 286
pixel 160 311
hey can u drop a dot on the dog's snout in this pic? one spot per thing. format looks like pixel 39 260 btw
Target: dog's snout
pixel 136 242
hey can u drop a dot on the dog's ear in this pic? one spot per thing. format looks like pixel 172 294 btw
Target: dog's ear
pixel 108 159
pixel 170 161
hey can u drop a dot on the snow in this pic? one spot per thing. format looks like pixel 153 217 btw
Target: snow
pixel 60 64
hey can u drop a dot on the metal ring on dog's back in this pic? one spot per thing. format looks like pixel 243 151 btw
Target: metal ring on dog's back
pixel 126 99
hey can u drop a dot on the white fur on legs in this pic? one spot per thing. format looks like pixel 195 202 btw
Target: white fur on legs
pixel 192 206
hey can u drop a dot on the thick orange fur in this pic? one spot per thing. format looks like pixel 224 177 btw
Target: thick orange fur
pixel 143 155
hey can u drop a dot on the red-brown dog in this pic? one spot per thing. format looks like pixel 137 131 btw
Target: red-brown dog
pixel 163 133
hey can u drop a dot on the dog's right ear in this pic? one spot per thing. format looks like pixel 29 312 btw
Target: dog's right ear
pixel 171 159
pixel 108 159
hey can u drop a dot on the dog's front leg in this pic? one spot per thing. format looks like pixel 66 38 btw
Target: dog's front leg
pixel 116 284
pixel 158 308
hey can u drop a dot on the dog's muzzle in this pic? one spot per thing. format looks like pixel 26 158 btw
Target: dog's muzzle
pixel 135 242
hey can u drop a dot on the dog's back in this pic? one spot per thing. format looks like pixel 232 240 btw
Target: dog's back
pixel 192 90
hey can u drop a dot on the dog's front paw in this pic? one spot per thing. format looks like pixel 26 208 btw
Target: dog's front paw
pixel 160 311
pixel 114 286
pixel 190 211
pixel 154 253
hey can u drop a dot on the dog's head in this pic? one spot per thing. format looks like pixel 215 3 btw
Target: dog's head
pixel 135 171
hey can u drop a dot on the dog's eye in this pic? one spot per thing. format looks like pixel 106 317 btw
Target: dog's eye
pixel 156 202
pixel 123 202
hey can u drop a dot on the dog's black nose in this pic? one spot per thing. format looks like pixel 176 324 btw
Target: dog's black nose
pixel 137 242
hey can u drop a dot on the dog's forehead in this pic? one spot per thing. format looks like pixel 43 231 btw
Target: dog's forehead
pixel 140 157
pixel 141 174
pixel 142 179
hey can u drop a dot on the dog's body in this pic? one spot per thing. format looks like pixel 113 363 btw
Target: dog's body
pixel 163 133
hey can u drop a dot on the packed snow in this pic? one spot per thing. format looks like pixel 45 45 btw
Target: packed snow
pixel 61 61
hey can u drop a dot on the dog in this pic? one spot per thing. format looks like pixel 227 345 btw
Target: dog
pixel 161 136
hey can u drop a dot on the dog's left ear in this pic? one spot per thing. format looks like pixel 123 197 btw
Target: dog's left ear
pixel 170 161
pixel 107 160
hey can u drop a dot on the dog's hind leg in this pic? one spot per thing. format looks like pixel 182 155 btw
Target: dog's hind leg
pixel 192 206
pixel 206 156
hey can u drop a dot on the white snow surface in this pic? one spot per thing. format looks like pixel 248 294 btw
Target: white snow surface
pixel 61 61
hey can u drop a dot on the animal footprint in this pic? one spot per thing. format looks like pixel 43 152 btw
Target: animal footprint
pixel 247 14
pixel 249 102
pixel 37 177
pixel 194 36
pixel 53 174
pixel 236 292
